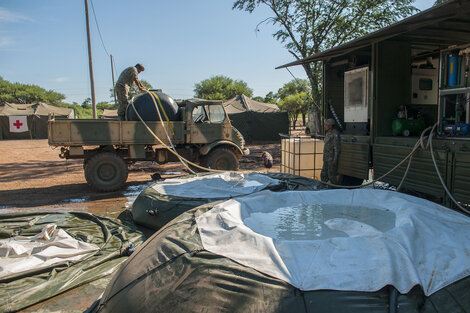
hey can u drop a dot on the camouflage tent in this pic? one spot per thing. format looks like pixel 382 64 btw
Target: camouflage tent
pixel 257 121
pixel 28 121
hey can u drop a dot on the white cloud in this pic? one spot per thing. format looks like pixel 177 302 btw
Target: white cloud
pixel 8 16
pixel 60 79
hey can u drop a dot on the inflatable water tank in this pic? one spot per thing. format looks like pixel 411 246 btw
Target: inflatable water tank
pixel 323 251
pixel 146 108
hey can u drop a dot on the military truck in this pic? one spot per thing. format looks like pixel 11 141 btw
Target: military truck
pixel 204 135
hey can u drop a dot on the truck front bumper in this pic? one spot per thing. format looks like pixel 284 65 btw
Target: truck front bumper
pixel 246 151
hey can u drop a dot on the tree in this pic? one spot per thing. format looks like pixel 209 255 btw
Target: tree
pixel 103 105
pixel 297 86
pixel 293 87
pixel 221 88
pixel 133 90
pixel 258 98
pixel 270 97
pixel 307 27
pixel 25 93
pixel 86 103
pixel 440 2
pixel 294 105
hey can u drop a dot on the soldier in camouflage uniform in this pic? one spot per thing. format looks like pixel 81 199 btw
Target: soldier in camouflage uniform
pixel 331 151
pixel 124 82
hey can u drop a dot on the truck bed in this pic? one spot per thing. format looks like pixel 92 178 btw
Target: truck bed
pixel 91 132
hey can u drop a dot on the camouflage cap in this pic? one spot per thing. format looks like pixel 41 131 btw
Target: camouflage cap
pixel 330 122
pixel 139 65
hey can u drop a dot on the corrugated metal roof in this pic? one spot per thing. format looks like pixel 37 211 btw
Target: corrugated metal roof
pixel 436 28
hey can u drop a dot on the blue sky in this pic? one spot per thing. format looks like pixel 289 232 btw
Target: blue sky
pixel 180 42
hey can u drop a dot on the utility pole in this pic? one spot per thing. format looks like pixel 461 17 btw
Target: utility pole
pixel 112 73
pixel 90 61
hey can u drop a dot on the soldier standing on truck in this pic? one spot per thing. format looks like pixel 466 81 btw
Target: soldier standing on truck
pixel 331 151
pixel 124 83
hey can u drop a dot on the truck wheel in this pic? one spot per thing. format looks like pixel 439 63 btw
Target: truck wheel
pixel 222 159
pixel 106 171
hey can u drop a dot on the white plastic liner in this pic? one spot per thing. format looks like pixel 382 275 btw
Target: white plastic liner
pixel 215 186
pixel 360 240
pixel 24 253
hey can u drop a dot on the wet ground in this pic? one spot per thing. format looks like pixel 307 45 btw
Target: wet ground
pixel 33 177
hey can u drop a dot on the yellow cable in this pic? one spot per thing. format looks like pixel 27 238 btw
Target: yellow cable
pixel 163 110
pixel 174 152
pixel 166 133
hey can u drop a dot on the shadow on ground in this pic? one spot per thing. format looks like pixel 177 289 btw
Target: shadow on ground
pixel 59 194
pixel 35 170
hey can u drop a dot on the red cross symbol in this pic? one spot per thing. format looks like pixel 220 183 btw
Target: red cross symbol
pixel 17 124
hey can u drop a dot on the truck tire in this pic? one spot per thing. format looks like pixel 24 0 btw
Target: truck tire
pixel 105 172
pixel 221 159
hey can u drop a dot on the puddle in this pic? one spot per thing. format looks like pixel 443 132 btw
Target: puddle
pixel 76 200
pixel 130 201
pixel 135 190
pixel 317 222
pixel 172 173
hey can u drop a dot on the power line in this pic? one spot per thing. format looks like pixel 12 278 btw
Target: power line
pixel 98 27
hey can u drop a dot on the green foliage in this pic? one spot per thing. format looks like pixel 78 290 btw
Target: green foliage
pixel 25 93
pixel 221 88
pixel 258 98
pixel 293 87
pixel 309 27
pixel 86 103
pixel 134 90
pixel 295 104
pixel 270 97
pixel 103 105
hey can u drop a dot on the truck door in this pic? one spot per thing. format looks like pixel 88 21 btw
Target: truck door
pixel 209 124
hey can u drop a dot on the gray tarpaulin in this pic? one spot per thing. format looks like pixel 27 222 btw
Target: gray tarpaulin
pixel 215 186
pixel 173 272
pixel 163 201
pixel 356 240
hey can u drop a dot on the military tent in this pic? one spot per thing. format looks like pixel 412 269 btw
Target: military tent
pixel 28 121
pixel 109 114
pixel 257 121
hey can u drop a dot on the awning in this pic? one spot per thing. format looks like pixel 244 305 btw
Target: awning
pixel 437 28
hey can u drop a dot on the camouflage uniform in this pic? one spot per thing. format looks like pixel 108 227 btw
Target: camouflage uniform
pixel 331 153
pixel 124 82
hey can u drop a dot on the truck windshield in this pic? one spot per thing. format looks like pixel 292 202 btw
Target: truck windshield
pixel 199 114
pixel 216 113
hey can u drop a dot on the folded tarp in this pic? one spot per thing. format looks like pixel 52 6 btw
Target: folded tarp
pixel 174 272
pixel 21 289
pixel 21 254
pixel 163 201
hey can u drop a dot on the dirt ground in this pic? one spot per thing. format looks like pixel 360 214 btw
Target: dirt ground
pixel 33 176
